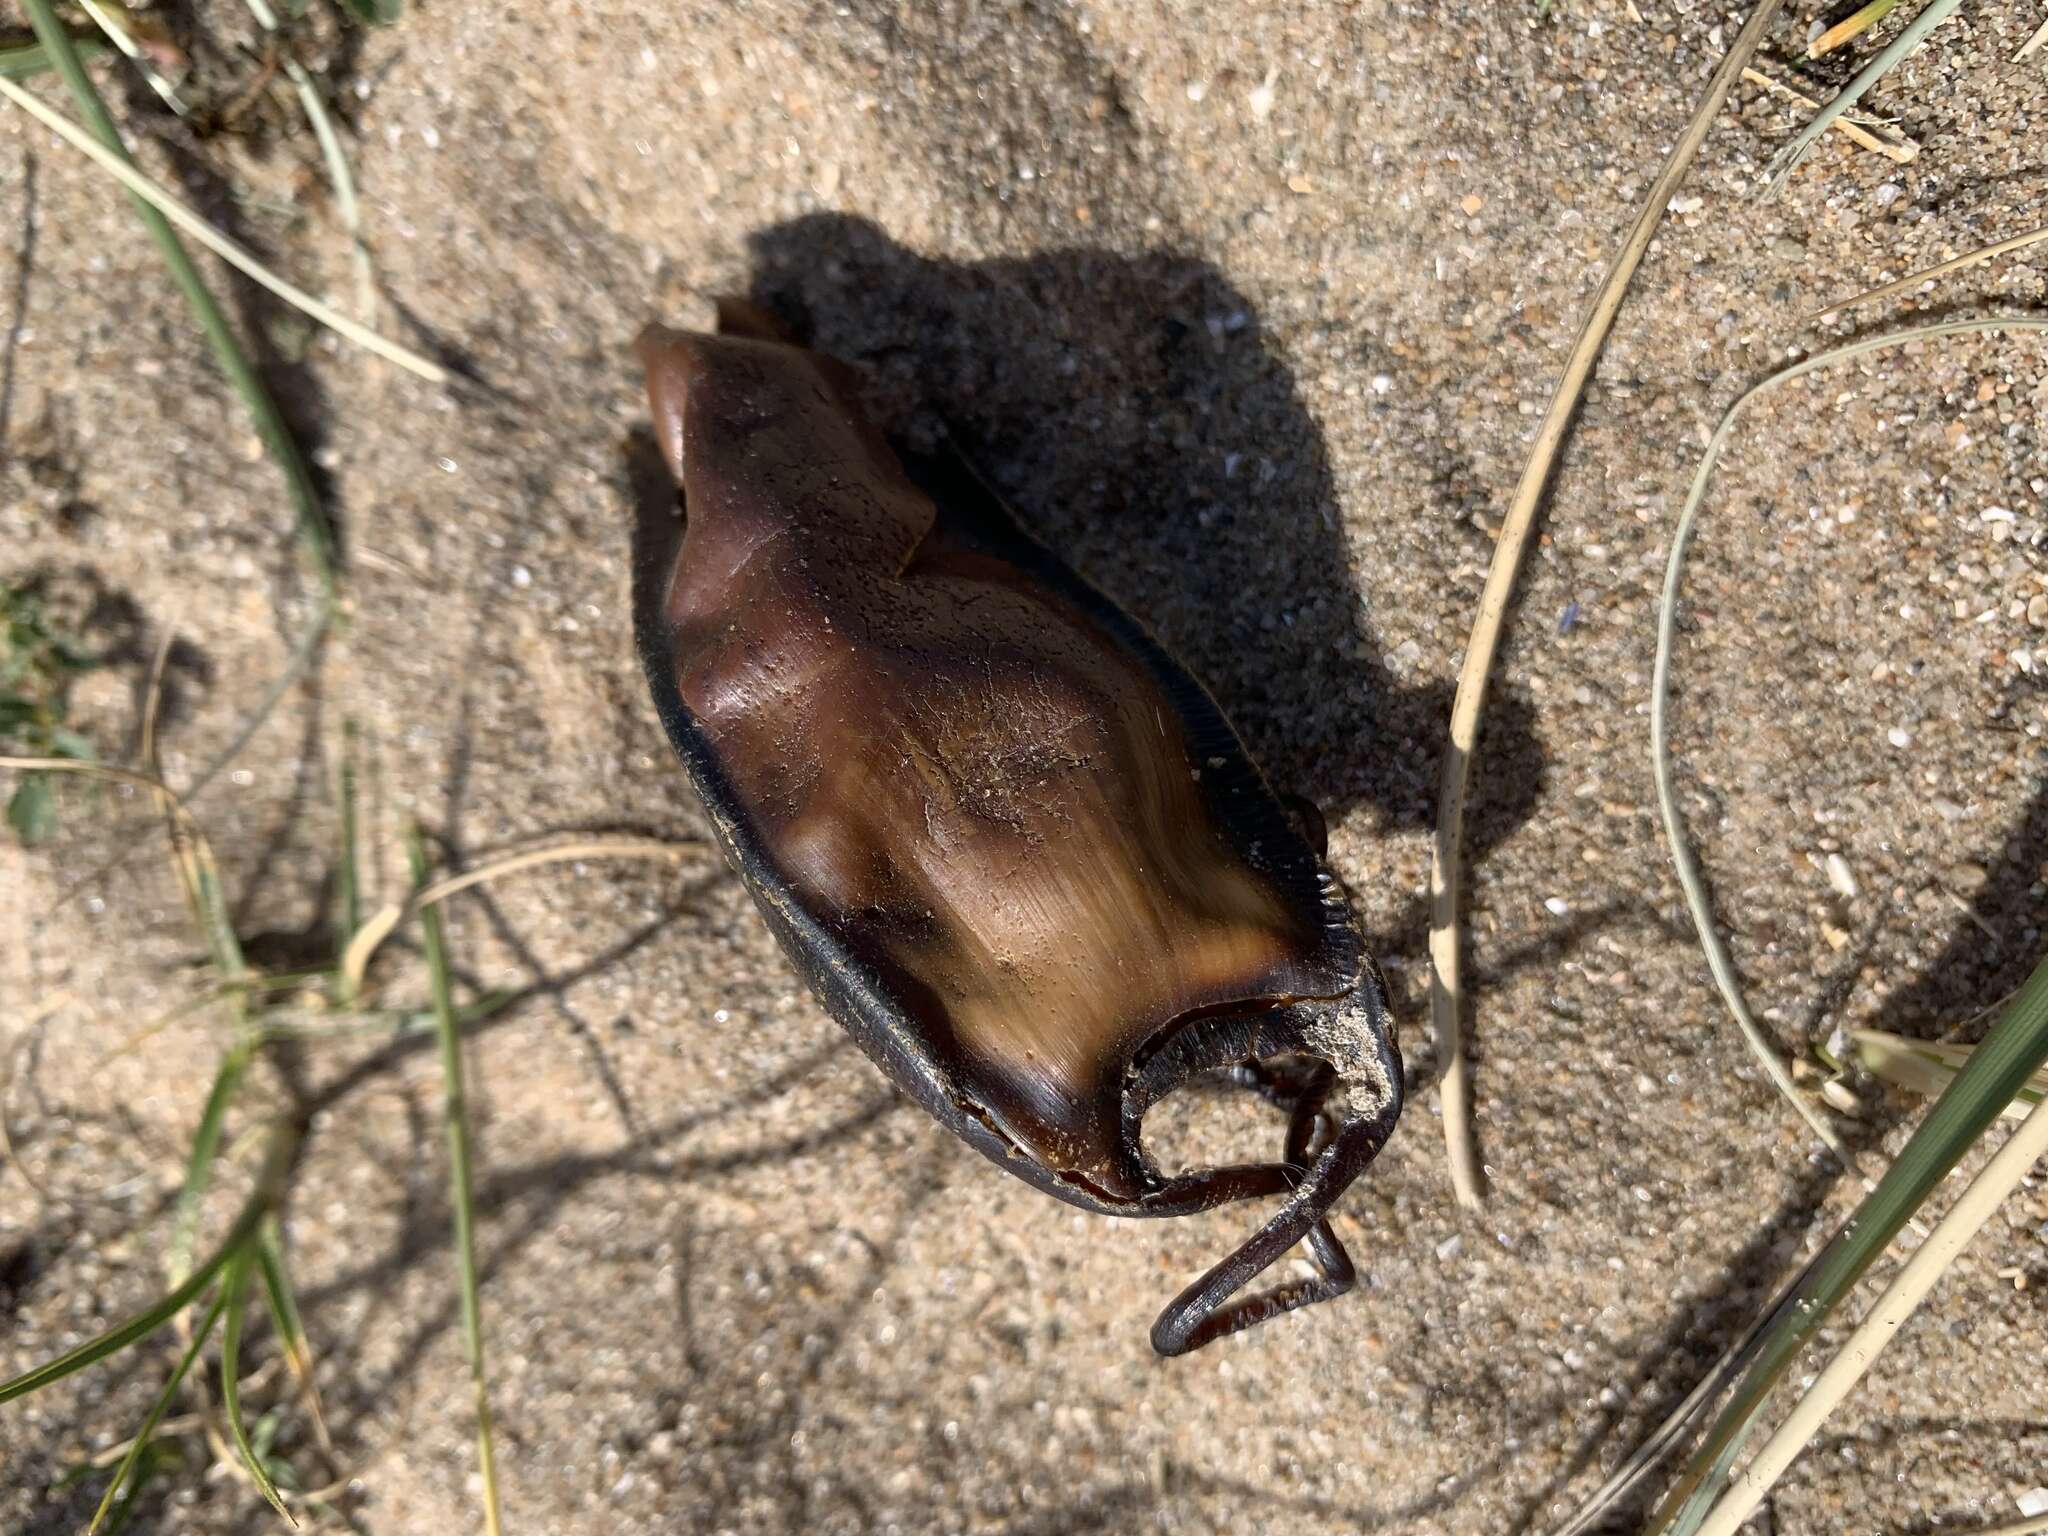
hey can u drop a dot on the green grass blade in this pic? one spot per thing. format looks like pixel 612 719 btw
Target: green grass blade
pixel 338 173
pixel 462 1193
pixel 199 1162
pixel 374 13
pixel 1995 1073
pixel 119 1337
pixel 117 33
pixel 159 1458
pixel 210 908
pixel 314 531
pixel 157 1410
pixel 284 1313
pixel 235 1287
pixel 284 1306
pixel 27 60
pixel 283 1147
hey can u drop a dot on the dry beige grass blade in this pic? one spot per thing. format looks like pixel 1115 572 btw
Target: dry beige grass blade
pixel 227 250
pixel 191 852
pixel 2027 50
pixel 1446 994
pixel 379 925
pixel 1880 1325
pixel 1847 31
pixel 1927 1067
pixel 1940 269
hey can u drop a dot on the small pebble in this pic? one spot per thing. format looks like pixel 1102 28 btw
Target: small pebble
pixel 1557 906
pixel 1841 877
pixel 1967 876
pixel 1260 98
pixel 1898 737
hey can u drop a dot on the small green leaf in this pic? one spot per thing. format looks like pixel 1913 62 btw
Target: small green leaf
pixel 374 13
pixel 32 810
pixel 263 1435
pixel 65 743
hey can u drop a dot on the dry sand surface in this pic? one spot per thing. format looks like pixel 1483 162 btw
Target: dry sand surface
pixel 1250 309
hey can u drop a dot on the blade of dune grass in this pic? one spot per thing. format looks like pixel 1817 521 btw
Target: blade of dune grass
pixel 2010 1054
pixel 2013 1162
pixel 461 1181
pixel 140 1443
pixel 314 531
pixel 117 34
pixel 291 1329
pixel 1997 1070
pixel 1927 1067
pixel 315 108
pixel 1870 134
pixel 1983 253
pixel 284 1142
pixel 1851 28
pixel 381 923
pixel 2015 1049
pixel 1685 866
pixel 164 207
pixel 234 1286
pixel 1446 994
pixel 199 1161
pixel 1915 33
pixel 25 61
pixel 122 1334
